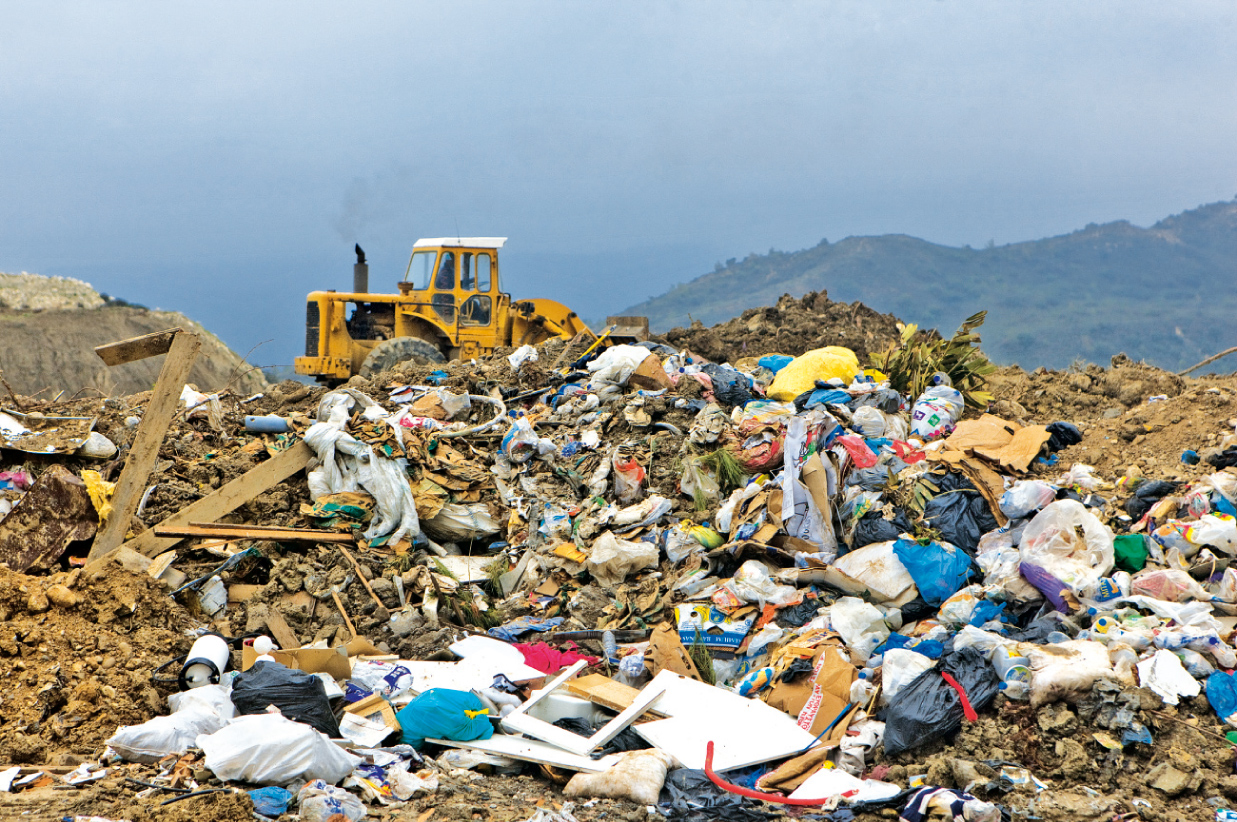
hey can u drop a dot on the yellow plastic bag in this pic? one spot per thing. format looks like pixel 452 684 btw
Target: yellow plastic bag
pixel 100 491
pixel 820 364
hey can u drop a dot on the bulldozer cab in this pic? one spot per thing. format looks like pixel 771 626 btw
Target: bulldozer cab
pixel 458 281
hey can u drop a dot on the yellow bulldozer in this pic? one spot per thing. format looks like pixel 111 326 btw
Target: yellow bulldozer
pixel 449 306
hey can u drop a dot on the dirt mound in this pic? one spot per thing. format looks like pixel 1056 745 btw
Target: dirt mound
pixel 1130 414
pixel 76 655
pixel 791 327
pixel 49 327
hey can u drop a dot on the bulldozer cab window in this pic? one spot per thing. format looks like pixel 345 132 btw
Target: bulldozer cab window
pixel 475 271
pixel 444 306
pixel 420 269
pixel 475 310
pixel 483 272
pixel 444 280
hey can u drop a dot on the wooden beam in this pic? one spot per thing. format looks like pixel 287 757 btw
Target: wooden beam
pixel 137 348
pixel 228 498
pixel 228 531
pixel 145 449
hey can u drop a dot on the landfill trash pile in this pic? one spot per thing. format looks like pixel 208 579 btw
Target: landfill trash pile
pixel 793 326
pixel 573 581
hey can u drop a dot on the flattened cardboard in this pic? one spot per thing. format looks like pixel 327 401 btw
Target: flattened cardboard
pixel 1018 454
pixel 333 661
pixel 666 653
pixel 818 698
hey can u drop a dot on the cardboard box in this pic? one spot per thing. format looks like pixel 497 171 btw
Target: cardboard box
pixel 649 375
pixel 333 661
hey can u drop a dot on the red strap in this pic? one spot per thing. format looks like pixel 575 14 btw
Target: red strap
pixel 967 710
pixel 741 791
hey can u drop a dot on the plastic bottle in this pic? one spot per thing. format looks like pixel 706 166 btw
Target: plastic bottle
pixel 270 424
pixel 610 646
pixel 1013 670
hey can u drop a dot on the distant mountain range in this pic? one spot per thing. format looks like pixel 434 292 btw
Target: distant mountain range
pixel 1166 294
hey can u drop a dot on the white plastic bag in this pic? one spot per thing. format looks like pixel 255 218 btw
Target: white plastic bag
pixel 861 626
pixel 523 354
pixel 269 749
pixel 698 483
pixel 936 411
pixel 615 365
pixel 899 668
pixel 197 711
pixel 1025 497
pixel 1065 671
pixel 1051 543
pixel 611 560
pixel 878 567
pixel 317 802
pixel 753 583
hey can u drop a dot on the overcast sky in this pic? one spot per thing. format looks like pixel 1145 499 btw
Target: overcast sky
pixel 221 158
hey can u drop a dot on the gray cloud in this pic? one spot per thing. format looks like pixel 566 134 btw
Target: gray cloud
pixel 173 153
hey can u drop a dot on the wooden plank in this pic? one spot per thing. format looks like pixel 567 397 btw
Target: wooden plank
pixel 604 691
pixel 137 348
pixel 280 631
pixel 230 531
pixel 343 613
pixel 242 592
pixel 381 612
pixel 228 498
pixel 145 449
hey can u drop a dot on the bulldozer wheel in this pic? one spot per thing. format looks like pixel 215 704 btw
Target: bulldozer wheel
pixel 390 353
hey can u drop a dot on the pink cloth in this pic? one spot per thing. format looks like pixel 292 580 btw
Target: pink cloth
pixel 551 660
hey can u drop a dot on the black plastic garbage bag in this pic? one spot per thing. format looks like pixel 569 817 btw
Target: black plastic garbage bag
pixel 879 475
pixel 962 517
pixel 1063 435
pixel 1146 495
pixel 299 696
pixel 873 527
pixel 689 796
pixel 884 399
pixel 626 740
pixel 929 708
pixel 1224 459
pixel 729 386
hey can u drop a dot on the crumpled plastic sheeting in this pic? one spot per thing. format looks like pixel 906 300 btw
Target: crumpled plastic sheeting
pixel 611 560
pixel 348 464
pixel 689 796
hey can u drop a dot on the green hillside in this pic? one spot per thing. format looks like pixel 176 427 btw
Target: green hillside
pixel 1166 294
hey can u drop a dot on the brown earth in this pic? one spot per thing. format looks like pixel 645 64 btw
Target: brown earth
pixel 45 352
pixel 76 657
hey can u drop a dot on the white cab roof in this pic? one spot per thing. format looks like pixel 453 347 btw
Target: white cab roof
pixel 461 242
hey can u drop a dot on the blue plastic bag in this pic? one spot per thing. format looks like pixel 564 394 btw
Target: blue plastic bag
pixel 774 362
pixel 1222 694
pixel 441 713
pixel 272 801
pixel 939 571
